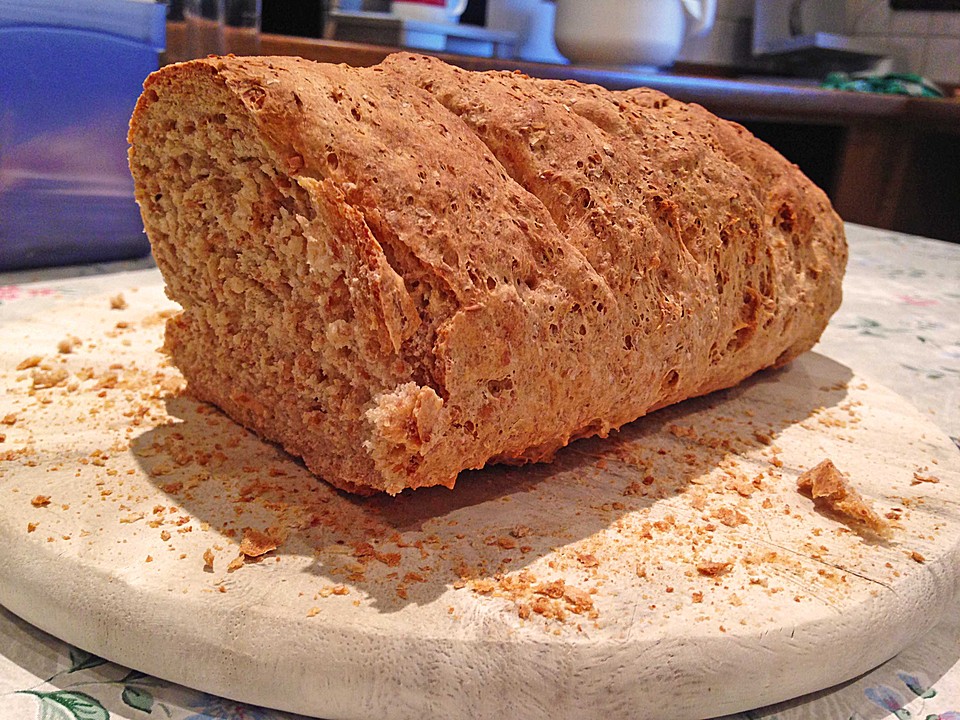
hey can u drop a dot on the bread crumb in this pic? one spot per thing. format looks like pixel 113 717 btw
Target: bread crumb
pixel 918 478
pixel 554 589
pixel 917 557
pixel 118 302
pixel 313 612
pixel 236 563
pixel 164 535
pixel 256 543
pixel 9 419
pixel 714 569
pixel 30 362
pixel 484 586
pixel 587 560
pixel 682 431
pixel 730 516
pixel 578 601
pixel 208 558
pixel 31 527
pixel 40 501
pixel 828 486
pixel 49 378
pixel 549 609
pixel 68 344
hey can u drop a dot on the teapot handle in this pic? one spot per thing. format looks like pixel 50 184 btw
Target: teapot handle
pixel 701 13
pixel 459 7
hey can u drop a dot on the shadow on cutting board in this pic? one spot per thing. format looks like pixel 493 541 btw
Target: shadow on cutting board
pixel 500 520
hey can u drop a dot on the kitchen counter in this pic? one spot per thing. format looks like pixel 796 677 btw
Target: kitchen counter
pixel 899 324
pixel 886 161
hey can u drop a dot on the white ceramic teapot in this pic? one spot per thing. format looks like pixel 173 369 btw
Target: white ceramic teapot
pixel 629 32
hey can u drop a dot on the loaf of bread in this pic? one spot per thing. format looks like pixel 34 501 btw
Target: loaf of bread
pixel 405 271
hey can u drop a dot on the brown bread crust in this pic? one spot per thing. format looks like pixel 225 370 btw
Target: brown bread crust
pixel 405 271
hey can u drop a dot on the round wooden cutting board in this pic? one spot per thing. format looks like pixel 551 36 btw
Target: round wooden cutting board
pixel 671 570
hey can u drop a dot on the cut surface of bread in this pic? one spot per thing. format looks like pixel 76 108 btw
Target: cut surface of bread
pixel 405 271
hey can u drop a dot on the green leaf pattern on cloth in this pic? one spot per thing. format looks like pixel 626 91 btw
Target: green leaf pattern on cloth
pixel 69 705
pixel 82 660
pixel 138 698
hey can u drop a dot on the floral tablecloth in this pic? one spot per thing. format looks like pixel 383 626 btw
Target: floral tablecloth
pixel 899 325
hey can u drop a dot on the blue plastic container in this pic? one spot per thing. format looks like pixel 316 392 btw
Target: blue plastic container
pixel 70 74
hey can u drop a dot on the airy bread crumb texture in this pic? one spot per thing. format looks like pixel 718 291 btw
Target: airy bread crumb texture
pixel 406 271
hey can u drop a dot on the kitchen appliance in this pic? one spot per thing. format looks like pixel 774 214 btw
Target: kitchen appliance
pixel 808 36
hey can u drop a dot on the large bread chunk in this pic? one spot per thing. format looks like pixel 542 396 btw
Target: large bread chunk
pixel 405 271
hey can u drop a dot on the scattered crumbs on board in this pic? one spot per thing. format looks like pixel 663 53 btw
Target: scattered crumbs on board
pixel 682 507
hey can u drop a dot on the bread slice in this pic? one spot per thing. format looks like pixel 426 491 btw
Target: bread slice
pixel 405 271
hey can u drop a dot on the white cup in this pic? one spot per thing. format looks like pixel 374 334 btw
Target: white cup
pixel 433 11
